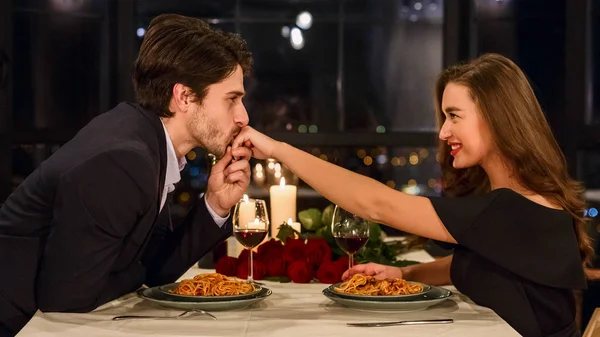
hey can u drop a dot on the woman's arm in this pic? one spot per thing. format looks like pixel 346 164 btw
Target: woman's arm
pixel 353 192
pixel 435 273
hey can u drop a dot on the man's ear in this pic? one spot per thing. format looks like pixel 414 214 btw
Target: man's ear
pixel 182 97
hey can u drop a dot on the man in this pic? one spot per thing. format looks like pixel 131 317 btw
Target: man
pixel 92 222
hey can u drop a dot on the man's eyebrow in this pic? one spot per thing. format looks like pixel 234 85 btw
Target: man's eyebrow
pixel 236 93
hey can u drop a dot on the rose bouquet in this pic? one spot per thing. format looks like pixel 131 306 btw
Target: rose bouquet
pixel 311 255
pixel 298 260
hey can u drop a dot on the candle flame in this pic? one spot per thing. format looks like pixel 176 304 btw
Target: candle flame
pixel 245 198
pixel 290 221
pixel 256 220
pixel 282 182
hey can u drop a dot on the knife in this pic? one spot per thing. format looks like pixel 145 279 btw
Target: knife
pixel 413 322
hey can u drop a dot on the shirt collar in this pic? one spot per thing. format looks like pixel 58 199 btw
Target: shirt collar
pixel 174 164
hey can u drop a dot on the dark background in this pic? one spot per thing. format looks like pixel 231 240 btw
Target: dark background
pixel 358 93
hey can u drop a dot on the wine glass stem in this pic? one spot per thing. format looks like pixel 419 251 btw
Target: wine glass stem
pixel 251 272
pixel 350 261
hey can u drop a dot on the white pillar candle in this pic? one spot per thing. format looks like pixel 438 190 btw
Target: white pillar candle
pixel 234 248
pixel 295 225
pixel 283 205
pixel 257 224
pixel 246 212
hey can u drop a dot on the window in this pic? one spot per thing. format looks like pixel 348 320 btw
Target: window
pixel 57 69
pixel 348 81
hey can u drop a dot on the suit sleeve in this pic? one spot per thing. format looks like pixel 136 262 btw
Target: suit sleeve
pixel 96 206
pixel 172 253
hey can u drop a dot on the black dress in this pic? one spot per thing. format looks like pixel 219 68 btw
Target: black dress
pixel 517 257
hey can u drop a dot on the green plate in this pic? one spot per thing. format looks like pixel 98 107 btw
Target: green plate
pixel 166 294
pixel 383 298
pixel 157 296
pixel 435 296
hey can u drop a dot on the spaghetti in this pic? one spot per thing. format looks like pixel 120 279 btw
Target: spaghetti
pixel 361 284
pixel 213 284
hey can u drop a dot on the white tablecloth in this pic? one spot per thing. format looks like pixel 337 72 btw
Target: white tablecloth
pixel 292 309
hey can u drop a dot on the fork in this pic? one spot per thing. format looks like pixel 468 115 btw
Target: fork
pixel 182 315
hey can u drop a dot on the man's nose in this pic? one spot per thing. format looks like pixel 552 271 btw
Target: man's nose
pixel 241 118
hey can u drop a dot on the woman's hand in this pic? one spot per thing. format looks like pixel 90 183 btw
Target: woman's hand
pixel 262 146
pixel 379 271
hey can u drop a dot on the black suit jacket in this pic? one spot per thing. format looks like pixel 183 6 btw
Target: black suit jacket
pixel 84 229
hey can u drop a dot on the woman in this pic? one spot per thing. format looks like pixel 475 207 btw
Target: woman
pixel 512 213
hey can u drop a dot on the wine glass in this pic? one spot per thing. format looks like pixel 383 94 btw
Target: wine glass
pixel 250 226
pixel 350 232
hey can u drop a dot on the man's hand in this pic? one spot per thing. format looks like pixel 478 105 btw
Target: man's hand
pixel 229 180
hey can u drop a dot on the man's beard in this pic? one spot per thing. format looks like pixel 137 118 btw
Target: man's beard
pixel 209 137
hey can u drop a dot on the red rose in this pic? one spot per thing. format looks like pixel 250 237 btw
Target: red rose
pixel 270 248
pixel 330 272
pixel 301 272
pixel 276 266
pixel 317 251
pixel 260 270
pixel 227 266
pixel 293 250
pixel 343 262
pixel 244 256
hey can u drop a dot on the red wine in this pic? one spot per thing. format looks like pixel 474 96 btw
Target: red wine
pixel 351 244
pixel 250 238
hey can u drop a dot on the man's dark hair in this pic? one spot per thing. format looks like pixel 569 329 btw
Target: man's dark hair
pixel 180 49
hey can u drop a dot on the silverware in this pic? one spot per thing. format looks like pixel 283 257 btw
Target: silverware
pixel 182 315
pixel 413 322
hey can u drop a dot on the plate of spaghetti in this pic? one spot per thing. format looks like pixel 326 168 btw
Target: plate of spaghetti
pixel 362 287
pixel 210 287
pixel 435 296
pixel 163 299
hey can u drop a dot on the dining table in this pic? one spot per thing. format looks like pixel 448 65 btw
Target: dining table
pixel 291 310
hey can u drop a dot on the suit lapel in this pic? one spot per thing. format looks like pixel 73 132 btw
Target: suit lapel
pixel 162 151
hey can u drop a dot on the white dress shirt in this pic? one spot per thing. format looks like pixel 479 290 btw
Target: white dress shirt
pixel 174 166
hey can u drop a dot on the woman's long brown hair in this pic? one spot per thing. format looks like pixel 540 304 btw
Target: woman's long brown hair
pixel 521 133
